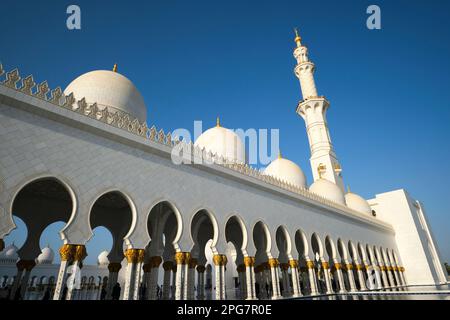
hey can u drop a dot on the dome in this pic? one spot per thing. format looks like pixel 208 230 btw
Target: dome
pixel 223 142
pixel 357 203
pixel 109 89
pixel 328 190
pixel 102 259
pixel 46 257
pixel 286 170
pixel 10 253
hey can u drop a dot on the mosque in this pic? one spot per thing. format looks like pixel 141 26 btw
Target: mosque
pixel 216 228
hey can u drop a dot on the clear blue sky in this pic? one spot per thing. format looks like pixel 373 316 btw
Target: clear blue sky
pixel 193 60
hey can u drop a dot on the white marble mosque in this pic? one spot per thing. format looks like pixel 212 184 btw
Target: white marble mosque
pixel 215 229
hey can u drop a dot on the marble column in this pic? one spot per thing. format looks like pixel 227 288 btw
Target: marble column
pixel 249 264
pixel 220 261
pixel 242 283
pixel 135 260
pixel 390 276
pixel 296 292
pixel 174 281
pixel 362 281
pixel 66 252
pixel 222 274
pixel 351 277
pixel 17 280
pixel 155 262
pixel 28 266
pixel 167 267
pixel 114 268
pixel 397 275
pixel 180 259
pixel 273 263
pixel 201 282
pixel 73 280
pixel 326 273
pixel 191 278
pixel 286 283
pixel 384 279
pixel 402 275
pixel 312 277
pixel 340 276
pixel 377 273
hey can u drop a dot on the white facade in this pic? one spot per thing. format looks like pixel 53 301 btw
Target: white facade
pixel 71 160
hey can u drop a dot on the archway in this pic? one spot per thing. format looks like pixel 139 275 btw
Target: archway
pixel 262 240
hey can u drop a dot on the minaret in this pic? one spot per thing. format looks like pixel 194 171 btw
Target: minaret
pixel 313 110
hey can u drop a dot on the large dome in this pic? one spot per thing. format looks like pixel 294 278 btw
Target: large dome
pixel 329 190
pixel 286 170
pixel 357 203
pixel 10 253
pixel 109 89
pixel 46 257
pixel 223 142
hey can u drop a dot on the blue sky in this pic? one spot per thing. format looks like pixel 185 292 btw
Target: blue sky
pixel 195 60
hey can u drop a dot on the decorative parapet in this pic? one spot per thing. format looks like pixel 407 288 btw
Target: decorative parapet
pixel 125 122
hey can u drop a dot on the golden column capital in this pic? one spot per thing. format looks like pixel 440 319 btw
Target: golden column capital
pixel 155 261
pixel 310 264
pixel 187 258
pixel 249 261
pixel 293 263
pixel 180 258
pixel 284 266
pixel 395 268
pixel 167 265
pixel 349 266
pixel 114 266
pixel 224 259
pixel 192 263
pixel 135 255
pixel 218 259
pixel 273 262
pixel 402 269
pixel 80 253
pixel 325 265
pixel 67 252
pixel 337 266
pixel 200 268
pixel 367 267
pixel 359 267
pixel 25 265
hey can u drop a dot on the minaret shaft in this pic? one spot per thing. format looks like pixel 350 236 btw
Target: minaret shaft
pixel 312 109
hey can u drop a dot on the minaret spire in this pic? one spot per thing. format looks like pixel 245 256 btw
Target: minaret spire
pixel 312 109
pixel 115 67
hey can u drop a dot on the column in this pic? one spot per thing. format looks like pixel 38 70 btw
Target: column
pixel 201 282
pixel 174 280
pixel 167 266
pixel 362 282
pixel 20 268
pixel 66 252
pixel 377 273
pixel 180 259
pixel 384 276
pixel 242 282
pixel 191 279
pixel 28 265
pixel 222 274
pixel 396 275
pixel 286 283
pixel 273 263
pixel 312 277
pixel 351 278
pixel 326 273
pixel 135 259
pixel 293 264
pixel 249 264
pixel 186 278
pixel 155 262
pixel 73 281
pixel 402 275
pixel 114 268
pixel 220 261
pixel 390 276
pixel 340 276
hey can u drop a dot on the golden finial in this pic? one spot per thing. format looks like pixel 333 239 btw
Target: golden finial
pixel 279 154
pixel 348 189
pixel 297 39
pixel 115 67
pixel 218 122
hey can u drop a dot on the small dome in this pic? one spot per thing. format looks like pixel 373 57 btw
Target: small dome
pixel 287 171
pixel 357 203
pixel 10 252
pixel 223 142
pixel 109 89
pixel 102 259
pixel 46 257
pixel 329 190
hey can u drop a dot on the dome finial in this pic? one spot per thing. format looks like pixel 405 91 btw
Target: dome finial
pixel 348 189
pixel 297 39
pixel 218 122
pixel 115 67
pixel 279 154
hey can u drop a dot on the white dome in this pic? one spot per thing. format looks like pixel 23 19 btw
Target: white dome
pixel 109 89
pixel 357 203
pixel 223 142
pixel 286 170
pixel 46 257
pixel 329 190
pixel 10 252
pixel 102 259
